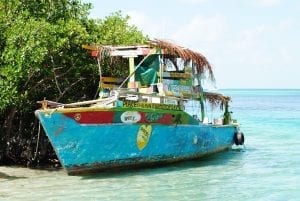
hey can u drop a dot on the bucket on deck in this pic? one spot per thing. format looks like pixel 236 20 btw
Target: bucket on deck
pixel 218 121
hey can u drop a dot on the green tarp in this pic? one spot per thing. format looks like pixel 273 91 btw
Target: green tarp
pixel 146 74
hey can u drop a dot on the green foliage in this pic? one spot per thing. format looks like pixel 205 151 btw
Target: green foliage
pixel 41 56
pixel 115 30
pixel 38 37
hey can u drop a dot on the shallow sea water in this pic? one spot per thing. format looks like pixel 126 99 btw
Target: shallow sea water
pixel 268 168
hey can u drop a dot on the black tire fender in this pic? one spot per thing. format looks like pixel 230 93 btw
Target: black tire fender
pixel 239 138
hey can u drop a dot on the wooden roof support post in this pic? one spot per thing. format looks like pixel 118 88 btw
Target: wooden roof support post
pixel 131 70
pixel 201 99
pixel 99 69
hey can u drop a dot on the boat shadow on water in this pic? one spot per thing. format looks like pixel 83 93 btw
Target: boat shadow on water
pixel 9 177
pixel 219 159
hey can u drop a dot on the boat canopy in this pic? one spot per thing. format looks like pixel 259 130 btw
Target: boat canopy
pixel 159 47
pixel 177 69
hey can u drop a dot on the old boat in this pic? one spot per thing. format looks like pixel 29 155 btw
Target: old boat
pixel 155 115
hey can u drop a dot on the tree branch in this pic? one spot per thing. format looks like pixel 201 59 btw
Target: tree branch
pixel 68 88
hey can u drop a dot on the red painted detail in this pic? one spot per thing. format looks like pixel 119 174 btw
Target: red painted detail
pixel 94 53
pixel 145 51
pixel 143 118
pixel 166 119
pixel 92 117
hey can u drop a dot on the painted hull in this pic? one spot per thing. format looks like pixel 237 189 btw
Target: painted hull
pixel 86 141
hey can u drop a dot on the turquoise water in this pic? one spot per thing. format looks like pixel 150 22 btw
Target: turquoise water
pixel 268 168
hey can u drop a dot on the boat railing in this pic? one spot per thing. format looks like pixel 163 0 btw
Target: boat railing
pixel 101 102
pixel 156 98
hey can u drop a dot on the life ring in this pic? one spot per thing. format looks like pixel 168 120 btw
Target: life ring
pixel 239 138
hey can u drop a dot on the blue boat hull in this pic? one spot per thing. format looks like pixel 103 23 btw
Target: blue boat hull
pixel 90 147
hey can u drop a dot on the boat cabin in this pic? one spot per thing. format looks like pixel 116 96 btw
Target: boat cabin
pixel 158 73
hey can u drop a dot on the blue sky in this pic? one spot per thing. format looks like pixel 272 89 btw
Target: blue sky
pixel 250 43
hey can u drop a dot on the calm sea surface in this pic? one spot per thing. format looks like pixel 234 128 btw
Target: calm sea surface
pixel 268 168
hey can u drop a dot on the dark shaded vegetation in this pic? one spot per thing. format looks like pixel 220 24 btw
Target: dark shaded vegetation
pixel 41 57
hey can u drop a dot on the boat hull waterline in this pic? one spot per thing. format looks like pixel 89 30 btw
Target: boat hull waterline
pixel 89 140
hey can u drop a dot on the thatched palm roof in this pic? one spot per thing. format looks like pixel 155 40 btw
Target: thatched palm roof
pixel 216 99
pixel 186 54
pixel 168 48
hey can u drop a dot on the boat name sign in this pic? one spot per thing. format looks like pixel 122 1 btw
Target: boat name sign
pixel 133 104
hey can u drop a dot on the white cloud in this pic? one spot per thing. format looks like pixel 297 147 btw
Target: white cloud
pixel 147 24
pixel 263 50
pixel 286 55
pixel 197 30
pixel 253 52
pixel 192 1
pixel 254 48
pixel 260 35
pixel 268 2
pixel 201 30
pixel 249 39
pixel 286 24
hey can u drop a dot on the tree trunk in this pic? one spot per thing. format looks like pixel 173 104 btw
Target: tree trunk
pixel 8 125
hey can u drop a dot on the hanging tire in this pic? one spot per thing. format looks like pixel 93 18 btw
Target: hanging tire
pixel 239 138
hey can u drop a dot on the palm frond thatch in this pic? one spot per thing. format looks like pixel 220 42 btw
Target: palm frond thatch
pixel 186 54
pixel 216 99
pixel 168 48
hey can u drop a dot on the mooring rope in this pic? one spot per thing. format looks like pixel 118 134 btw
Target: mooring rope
pixel 37 143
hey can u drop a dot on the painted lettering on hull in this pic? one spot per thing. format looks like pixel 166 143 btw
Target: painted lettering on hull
pixel 130 117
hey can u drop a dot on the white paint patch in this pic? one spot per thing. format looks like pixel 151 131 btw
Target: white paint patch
pixel 130 117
